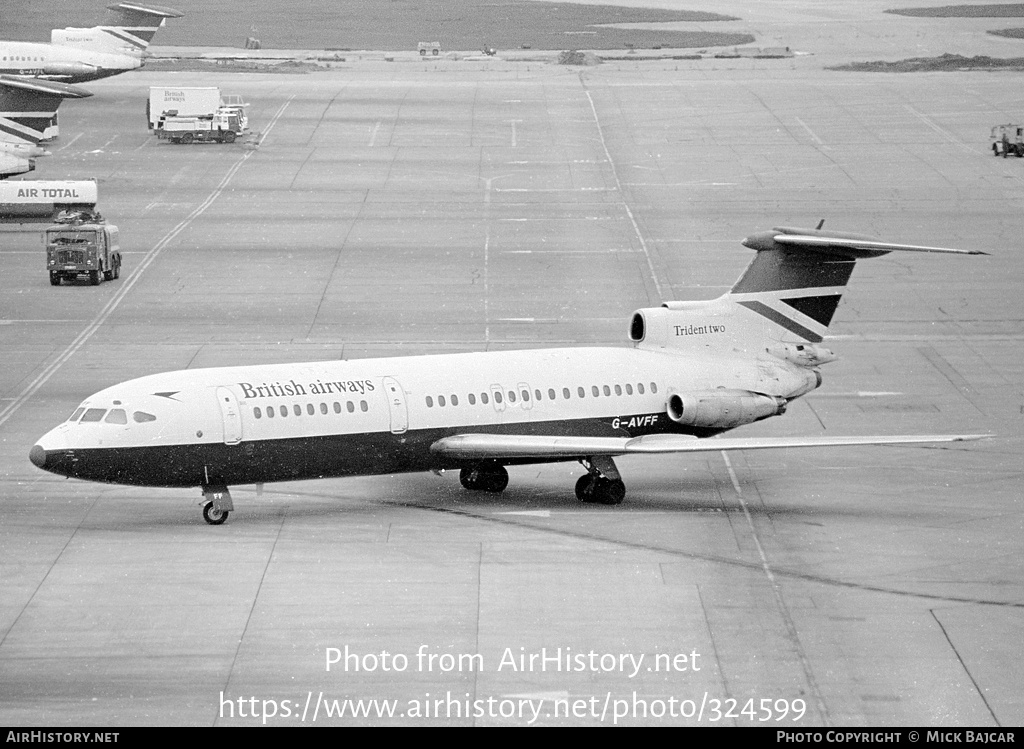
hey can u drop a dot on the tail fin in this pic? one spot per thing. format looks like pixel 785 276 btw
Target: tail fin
pixel 132 27
pixel 798 275
pixel 785 298
pixel 27 106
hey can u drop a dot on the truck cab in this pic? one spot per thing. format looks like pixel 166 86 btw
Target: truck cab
pixel 82 245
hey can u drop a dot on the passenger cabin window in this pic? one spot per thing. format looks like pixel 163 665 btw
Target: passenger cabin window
pixel 618 390
pixel 472 399
pixel 455 400
pixel 270 412
pixel 565 393
pixel 297 409
pixel 364 406
pixel 257 412
pixel 511 396
pixel 93 414
pixel 484 398
pixel 323 408
pixel 351 407
pixel 581 392
pixel 430 402
pixel 116 416
pixel 654 387
pixel 594 391
pixel 629 389
pixel 441 401
pixel 284 410
pixel 607 390
pixel 337 407
pixel 640 388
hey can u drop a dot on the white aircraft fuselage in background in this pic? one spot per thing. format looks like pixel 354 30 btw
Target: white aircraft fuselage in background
pixel 76 55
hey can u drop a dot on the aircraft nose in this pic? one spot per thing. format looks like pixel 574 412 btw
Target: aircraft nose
pixel 38 456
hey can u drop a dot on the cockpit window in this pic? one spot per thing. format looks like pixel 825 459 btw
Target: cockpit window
pixel 76 414
pixel 141 416
pixel 116 416
pixel 93 414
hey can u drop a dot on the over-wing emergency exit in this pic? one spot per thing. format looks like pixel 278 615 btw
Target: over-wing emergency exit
pixel 694 370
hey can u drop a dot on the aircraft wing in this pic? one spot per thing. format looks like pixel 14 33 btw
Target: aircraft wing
pixel 518 446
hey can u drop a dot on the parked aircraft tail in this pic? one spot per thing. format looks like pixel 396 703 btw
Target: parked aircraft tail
pixel 132 27
pixel 27 105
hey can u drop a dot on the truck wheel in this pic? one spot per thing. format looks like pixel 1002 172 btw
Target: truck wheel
pixel 108 275
pixel 54 278
pixel 94 277
pixel 228 137
pixel 435 52
pixel 117 268
pixel 186 138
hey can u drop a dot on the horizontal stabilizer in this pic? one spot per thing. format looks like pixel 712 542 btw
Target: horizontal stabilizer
pixel 158 11
pixel 840 243
pixel 518 446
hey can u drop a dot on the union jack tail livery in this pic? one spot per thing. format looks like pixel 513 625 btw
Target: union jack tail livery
pixel 132 27
pixel 782 304
pixel 27 107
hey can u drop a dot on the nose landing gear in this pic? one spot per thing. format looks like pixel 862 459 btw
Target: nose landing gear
pixel 217 505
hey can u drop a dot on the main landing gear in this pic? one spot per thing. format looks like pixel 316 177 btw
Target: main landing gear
pixel 488 476
pixel 217 505
pixel 601 484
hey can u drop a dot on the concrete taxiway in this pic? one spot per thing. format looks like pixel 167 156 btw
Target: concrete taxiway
pixel 387 209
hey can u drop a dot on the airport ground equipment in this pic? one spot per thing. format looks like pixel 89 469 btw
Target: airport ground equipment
pixel 1008 140
pixel 82 243
pixel 184 101
pixel 433 47
pixel 222 126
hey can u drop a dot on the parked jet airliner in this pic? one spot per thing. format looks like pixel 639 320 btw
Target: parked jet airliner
pixel 695 370
pixel 26 109
pixel 77 55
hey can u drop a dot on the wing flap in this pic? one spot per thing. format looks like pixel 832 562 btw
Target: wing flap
pixel 518 446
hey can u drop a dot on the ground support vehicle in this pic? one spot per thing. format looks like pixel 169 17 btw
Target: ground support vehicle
pixel 223 126
pixel 1008 140
pixel 82 244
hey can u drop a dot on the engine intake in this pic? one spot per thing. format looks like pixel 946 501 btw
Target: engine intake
pixel 722 409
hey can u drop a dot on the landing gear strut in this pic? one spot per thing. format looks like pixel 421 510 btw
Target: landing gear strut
pixel 488 476
pixel 601 484
pixel 218 504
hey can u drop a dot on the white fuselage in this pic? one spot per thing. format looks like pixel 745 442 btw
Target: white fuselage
pixel 64 62
pixel 275 422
